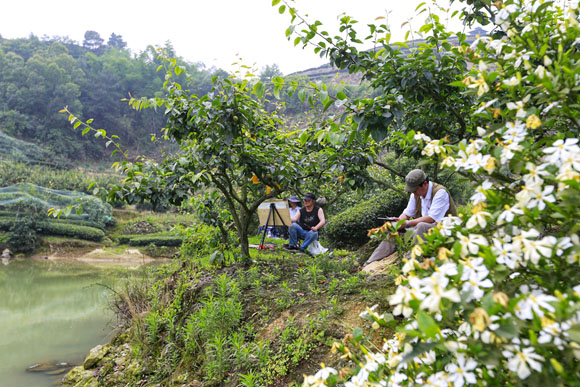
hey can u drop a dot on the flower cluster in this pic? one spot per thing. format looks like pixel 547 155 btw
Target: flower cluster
pixel 493 297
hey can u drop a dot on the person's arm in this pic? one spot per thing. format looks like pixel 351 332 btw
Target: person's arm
pixel 423 219
pixel 322 220
pixel 409 211
pixel 296 217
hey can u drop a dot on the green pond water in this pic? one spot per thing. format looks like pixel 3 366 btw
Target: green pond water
pixel 52 311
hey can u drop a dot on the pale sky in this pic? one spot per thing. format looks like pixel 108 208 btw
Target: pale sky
pixel 213 32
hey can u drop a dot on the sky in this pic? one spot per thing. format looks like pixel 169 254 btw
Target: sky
pixel 215 32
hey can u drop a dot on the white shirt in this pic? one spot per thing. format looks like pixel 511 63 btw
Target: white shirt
pixel 435 209
pixel 293 211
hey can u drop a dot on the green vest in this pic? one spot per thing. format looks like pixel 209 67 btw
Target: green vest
pixel 436 188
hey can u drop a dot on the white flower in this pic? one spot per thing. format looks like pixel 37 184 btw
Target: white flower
pixel 478 219
pixel 475 273
pixel 448 223
pixel 554 332
pixel 540 198
pixel 325 372
pixel 359 379
pixel 509 214
pixel 470 244
pixel 433 147
pixel 519 106
pixel 513 81
pixel 560 150
pixel 515 132
pixel 505 253
pixel 533 249
pixel 459 372
pixel 535 302
pixel 438 379
pixel 479 195
pixel 435 289
pixel 521 361
pixel 541 72
pixel 401 299
pixel 502 17
pixel 421 137
pixel 534 173
pixel 485 106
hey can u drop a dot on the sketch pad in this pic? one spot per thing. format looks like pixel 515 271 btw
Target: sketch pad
pixel 278 218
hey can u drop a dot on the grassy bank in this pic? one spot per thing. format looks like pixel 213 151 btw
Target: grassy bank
pixel 191 323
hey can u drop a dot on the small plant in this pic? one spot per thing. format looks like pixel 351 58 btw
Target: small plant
pixel 217 359
pixel 250 380
pixel 351 284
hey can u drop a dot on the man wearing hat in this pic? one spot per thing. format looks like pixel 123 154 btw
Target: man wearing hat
pixel 306 223
pixel 429 204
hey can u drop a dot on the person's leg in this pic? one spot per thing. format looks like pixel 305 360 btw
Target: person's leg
pixel 384 249
pixel 309 237
pixel 295 232
pixel 421 229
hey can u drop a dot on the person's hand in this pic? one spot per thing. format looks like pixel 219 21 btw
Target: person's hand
pixel 314 229
pixel 404 225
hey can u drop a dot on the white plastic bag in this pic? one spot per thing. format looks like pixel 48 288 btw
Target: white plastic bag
pixel 316 248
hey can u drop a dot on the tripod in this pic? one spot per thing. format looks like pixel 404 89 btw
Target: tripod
pixel 271 214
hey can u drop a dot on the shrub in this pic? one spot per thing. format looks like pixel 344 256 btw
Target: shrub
pixel 157 239
pixel 71 230
pixel 493 297
pixel 22 235
pixel 201 239
pixel 349 228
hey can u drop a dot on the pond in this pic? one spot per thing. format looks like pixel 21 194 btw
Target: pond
pixel 55 312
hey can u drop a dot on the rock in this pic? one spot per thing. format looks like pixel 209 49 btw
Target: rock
pixel 6 254
pixel 382 266
pixel 49 367
pixel 79 376
pixel 95 355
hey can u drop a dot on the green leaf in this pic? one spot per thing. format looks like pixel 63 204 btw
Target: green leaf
pixel 357 333
pixel 507 330
pixel 574 332
pixel 85 130
pixel 340 95
pixel 259 89
pixel 275 2
pixel 302 95
pixel 427 324
pixel 282 9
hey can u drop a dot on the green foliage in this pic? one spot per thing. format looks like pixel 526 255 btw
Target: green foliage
pixel 40 77
pixel 43 199
pixel 230 144
pixel 492 297
pixel 59 179
pixel 18 151
pixel 71 230
pixel 22 234
pixel 158 239
pixel 349 228
pixel 201 239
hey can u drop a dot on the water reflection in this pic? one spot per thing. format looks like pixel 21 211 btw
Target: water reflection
pixel 51 311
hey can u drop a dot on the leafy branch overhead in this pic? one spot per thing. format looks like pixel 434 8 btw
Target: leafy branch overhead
pixel 230 143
